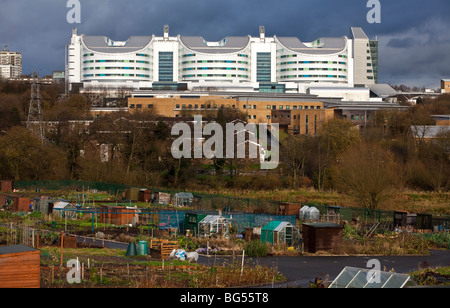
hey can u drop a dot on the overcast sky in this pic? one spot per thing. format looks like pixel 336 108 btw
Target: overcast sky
pixel 414 36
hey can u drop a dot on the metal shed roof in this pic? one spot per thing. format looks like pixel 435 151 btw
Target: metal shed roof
pixel 276 225
pixel 15 249
pixel 323 225
pixel 61 205
pixel 184 195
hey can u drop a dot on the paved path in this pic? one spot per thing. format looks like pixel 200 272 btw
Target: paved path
pixel 301 270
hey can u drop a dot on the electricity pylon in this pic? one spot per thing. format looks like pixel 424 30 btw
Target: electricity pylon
pixel 35 120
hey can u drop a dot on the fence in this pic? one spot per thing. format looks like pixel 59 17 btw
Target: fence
pixel 216 203
pixel 19 233
pixel 175 219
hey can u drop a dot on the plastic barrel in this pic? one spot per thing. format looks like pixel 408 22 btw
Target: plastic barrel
pixel 142 248
pixel 131 250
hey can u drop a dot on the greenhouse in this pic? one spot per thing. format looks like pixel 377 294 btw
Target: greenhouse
pixel 352 277
pixel 214 225
pixel 278 232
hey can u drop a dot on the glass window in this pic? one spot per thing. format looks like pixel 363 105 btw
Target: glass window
pixel 165 66
pixel 263 67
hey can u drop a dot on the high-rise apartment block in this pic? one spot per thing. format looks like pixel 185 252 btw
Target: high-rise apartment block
pixel 10 64
pixel 237 63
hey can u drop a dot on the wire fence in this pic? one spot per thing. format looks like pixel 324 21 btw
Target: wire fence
pixel 246 212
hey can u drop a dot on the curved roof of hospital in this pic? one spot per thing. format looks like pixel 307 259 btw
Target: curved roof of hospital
pixel 327 45
pixel 229 44
pixel 105 44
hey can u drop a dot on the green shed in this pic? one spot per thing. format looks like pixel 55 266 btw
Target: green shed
pixel 191 221
pixel 278 232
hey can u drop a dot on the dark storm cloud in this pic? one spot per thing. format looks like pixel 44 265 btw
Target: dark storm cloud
pixel 39 29
pixel 406 42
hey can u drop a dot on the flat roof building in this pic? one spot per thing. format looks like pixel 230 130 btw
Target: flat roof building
pixel 10 64
pixel 445 86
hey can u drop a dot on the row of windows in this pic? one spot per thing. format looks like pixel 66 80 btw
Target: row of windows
pixel 116 61
pixel 193 55
pixel 313 62
pixel 312 76
pixel 214 61
pixel 215 68
pixel 215 106
pixel 357 117
pixel 116 75
pixel 312 69
pixel 282 107
pixel 288 107
pixel 140 106
pixel 294 56
pixel 116 68
pixel 208 106
pixel 214 75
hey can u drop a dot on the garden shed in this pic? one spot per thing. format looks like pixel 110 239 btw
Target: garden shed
pixel 183 199
pixel 19 267
pixel 132 193
pixel 214 225
pixel 191 221
pixel 424 221
pixel 6 186
pixel 278 232
pixel 21 204
pixel 161 198
pixel 322 236
pixel 118 215
pixel 404 219
pixel 145 195
pixel 286 208
pixel 2 200
pixel 41 204
pixel 342 212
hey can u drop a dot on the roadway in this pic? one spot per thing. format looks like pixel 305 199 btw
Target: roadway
pixel 301 270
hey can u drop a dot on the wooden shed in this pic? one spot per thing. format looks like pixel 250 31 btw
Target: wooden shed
pixel 287 209
pixel 19 267
pixel 21 204
pixel 117 215
pixel 2 200
pixel 405 219
pixel 424 221
pixel 132 194
pixel 6 186
pixel 321 236
pixel 145 195
pixel 161 198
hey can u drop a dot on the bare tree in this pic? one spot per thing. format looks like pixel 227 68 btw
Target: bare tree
pixel 367 172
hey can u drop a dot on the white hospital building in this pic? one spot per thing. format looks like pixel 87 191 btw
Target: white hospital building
pixel 235 63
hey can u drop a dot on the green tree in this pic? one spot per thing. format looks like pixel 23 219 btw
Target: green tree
pixel 24 157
